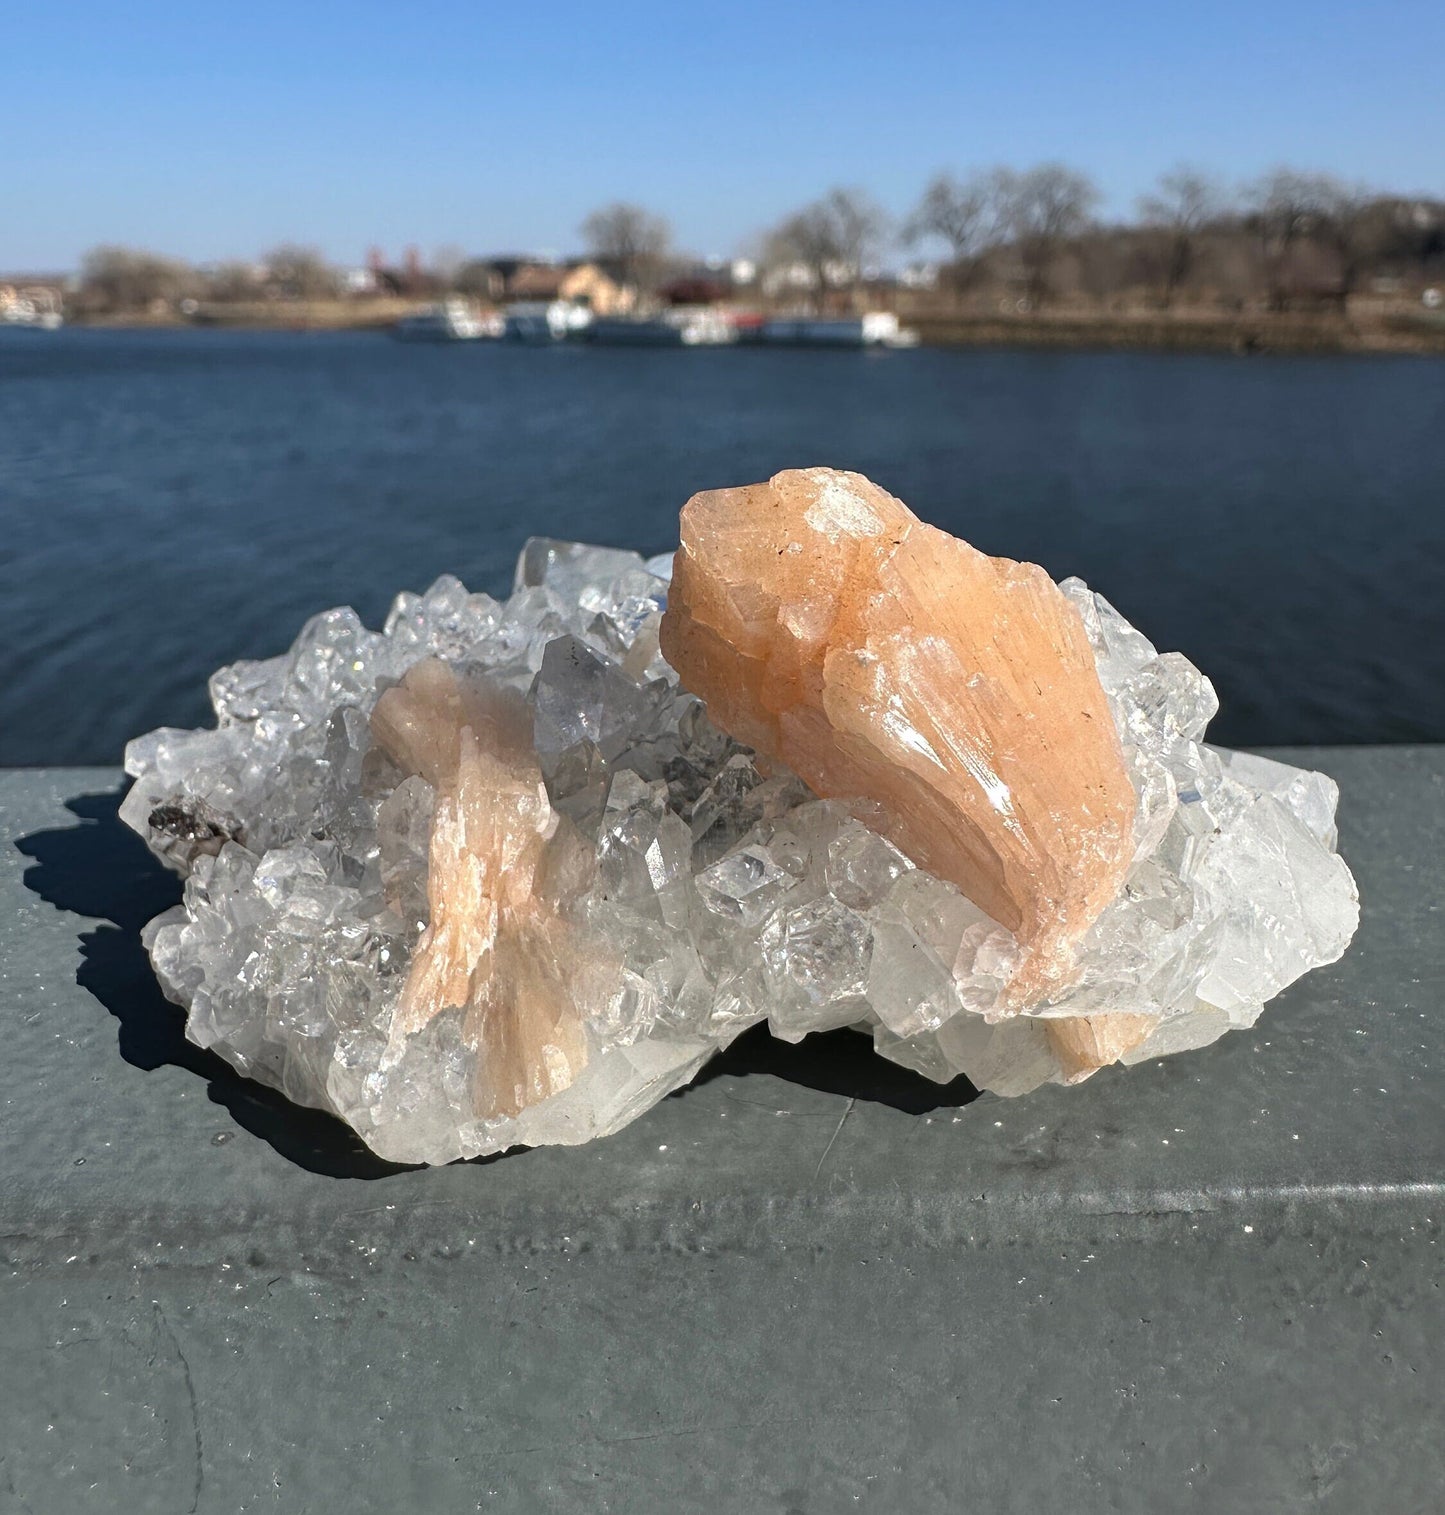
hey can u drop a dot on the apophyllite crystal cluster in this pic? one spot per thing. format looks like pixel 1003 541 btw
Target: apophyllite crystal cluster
pixel 509 872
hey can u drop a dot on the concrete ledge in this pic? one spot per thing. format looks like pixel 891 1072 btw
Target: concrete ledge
pixel 811 1282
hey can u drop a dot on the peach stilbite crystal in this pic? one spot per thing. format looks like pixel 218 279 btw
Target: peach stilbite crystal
pixel 885 661
pixel 495 945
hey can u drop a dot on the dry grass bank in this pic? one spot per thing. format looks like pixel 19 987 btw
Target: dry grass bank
pixel 267 315
pixel 1186 332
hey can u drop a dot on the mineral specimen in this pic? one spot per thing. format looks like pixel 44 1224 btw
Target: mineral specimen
pixel 883 660
pixel 494 876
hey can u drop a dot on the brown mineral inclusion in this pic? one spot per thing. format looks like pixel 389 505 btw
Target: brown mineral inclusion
pixel 500 861
pixel 886 662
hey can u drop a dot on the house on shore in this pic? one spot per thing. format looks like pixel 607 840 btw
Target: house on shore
pixel 581 281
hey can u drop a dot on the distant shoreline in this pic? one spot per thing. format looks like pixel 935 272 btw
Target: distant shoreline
pixel 1318 333
pixel 1153 331
pixel 270 315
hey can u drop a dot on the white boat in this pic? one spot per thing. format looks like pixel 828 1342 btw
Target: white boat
pixel 878 328
pixel 30 309
pixel 546 320
pixel 685 326
pixel 451 320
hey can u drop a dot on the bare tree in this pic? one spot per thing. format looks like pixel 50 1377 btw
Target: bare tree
pixel 1354 225
pixel 301 273
pixel 806 238
pixel 1043 209
pixel 1184 202
pixel 862 228
pixel 634 240
pixel 964 213
pixel 1286 207
pixel 234 282
pixel 126 278
pixel 835 238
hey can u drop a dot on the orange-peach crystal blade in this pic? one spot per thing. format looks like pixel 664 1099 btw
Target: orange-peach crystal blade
pixel 495 946
pixel 883 660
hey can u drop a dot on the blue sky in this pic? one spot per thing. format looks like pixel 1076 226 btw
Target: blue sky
pixel 218 131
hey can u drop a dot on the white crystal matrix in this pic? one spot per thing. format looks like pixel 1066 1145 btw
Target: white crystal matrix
pixel 732 896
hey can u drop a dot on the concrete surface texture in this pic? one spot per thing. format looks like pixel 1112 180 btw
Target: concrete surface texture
pixel 809 1283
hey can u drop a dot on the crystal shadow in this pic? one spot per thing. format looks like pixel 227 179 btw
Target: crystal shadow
pixel 835 1062
pixel 101 869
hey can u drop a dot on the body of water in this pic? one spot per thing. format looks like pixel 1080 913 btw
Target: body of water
pixel 172 501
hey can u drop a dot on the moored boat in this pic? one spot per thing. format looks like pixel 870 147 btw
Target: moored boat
pixel 451 320
pixel 547 320
pixel 685 326
pixel 29 309
pixel 876 328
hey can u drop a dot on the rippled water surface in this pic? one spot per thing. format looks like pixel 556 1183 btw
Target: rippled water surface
pixel 174 500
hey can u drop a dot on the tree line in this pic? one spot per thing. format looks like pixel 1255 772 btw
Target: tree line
pixel 1032 236
pixel 1285 235
pixel 121 279
pixel 1285 238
